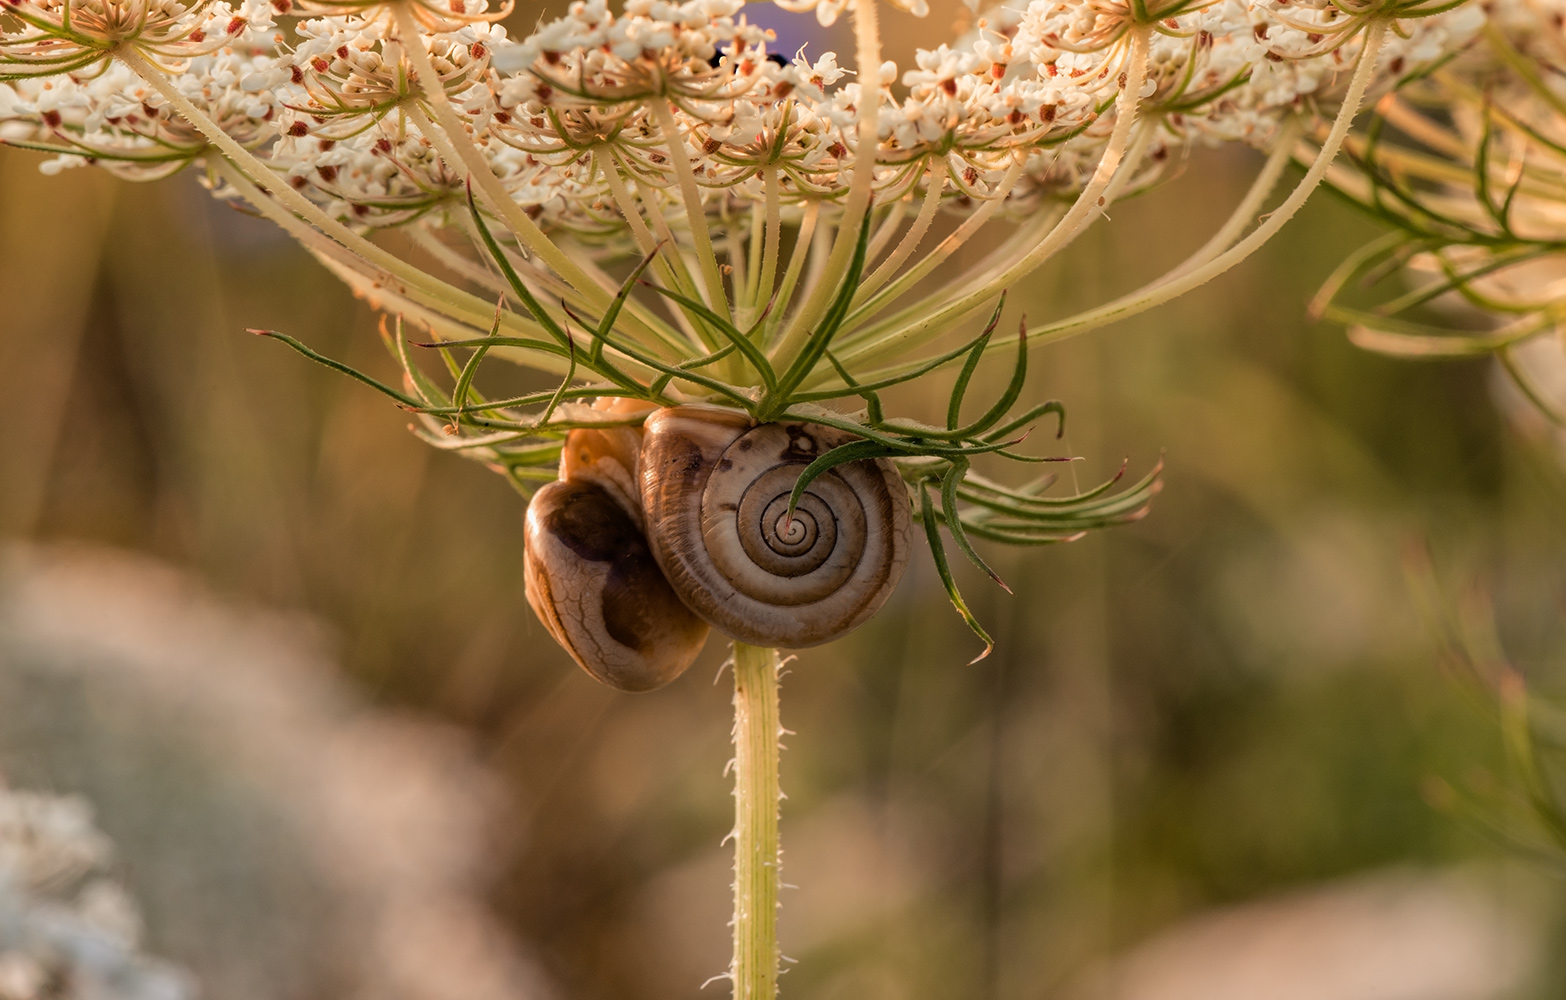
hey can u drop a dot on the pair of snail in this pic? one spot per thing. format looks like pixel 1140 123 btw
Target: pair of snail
pixel 654 535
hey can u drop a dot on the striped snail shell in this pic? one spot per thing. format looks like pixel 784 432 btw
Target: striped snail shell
pixel 590 575
pixel 715 492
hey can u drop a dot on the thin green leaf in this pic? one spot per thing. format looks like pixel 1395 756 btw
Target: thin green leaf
pixel 923 368
pixel 909 445
pixel 655 389
pixel 559 350
pixel 1005 537
pixel 932 534
pixel 780 397
pixel 422 384
pixel 1019 377
pixel 565 383
pixel 949 484
pixel 338 366
pixel 853 451
pixel 872 401
pixel 613 312
pixel 459 395
pixel 721 388
pixel 1459 280
pixel 742 343
pixel 1054 406
pixel 530 303
pixel 512 402
pixel 960 388
pixel 1359 260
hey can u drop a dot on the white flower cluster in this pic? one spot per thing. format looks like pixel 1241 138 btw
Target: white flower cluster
pixel 68 931
pixel 560 112
pixel 814 203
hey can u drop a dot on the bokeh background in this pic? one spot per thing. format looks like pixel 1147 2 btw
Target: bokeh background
pixel 1206 759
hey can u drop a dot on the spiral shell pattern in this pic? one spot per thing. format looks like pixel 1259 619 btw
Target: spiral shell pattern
pixel 715 495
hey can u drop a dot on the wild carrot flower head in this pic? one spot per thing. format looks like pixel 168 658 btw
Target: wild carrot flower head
pixel 670 210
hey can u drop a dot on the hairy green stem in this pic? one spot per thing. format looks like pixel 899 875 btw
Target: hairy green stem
pixel 756 730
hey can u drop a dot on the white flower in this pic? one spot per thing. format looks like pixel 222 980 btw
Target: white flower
pixel 67 932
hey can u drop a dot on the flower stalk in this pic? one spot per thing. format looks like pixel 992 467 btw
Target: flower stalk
pixel 463 155
pixel 756 796
pixel 1226 249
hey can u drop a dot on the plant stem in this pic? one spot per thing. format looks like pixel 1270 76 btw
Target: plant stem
pixel 1183 280
pixel 925 321
pixel 935 185
pixel 460 153
pixel 756 729
pixel 275 187
pixel 867 60
pixel 695 210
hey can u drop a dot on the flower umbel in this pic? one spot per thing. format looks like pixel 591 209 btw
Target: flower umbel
pixel 722 244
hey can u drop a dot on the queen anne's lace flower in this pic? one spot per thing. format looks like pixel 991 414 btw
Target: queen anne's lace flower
pixel 329 110
pixel 1466 162
pixel 67 931
pixel 787 212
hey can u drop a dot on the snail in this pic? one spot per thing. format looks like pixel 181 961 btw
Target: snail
pixel 651 536
pixel 715 494
pixel 589 573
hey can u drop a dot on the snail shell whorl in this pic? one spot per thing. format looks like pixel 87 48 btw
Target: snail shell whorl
pixel 715 495
pixel 594 584
pixel 608 456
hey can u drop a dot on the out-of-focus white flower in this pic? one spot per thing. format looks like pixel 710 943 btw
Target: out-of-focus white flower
pixel 67 930
pixel 287 838
pixel 1387 935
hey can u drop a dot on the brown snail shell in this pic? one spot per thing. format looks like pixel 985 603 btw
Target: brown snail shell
pixel 590 575
pixel 608 456
pixel 715 491
pixel 593 582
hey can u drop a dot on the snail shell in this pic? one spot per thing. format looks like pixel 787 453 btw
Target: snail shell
pixel 594 584
pixel 609 457
pixel 715 492
pixel 590 575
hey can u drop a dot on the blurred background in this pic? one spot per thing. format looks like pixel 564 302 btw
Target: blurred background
pixel 283 647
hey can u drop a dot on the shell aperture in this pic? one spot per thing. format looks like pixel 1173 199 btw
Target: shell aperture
pixel 594 583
